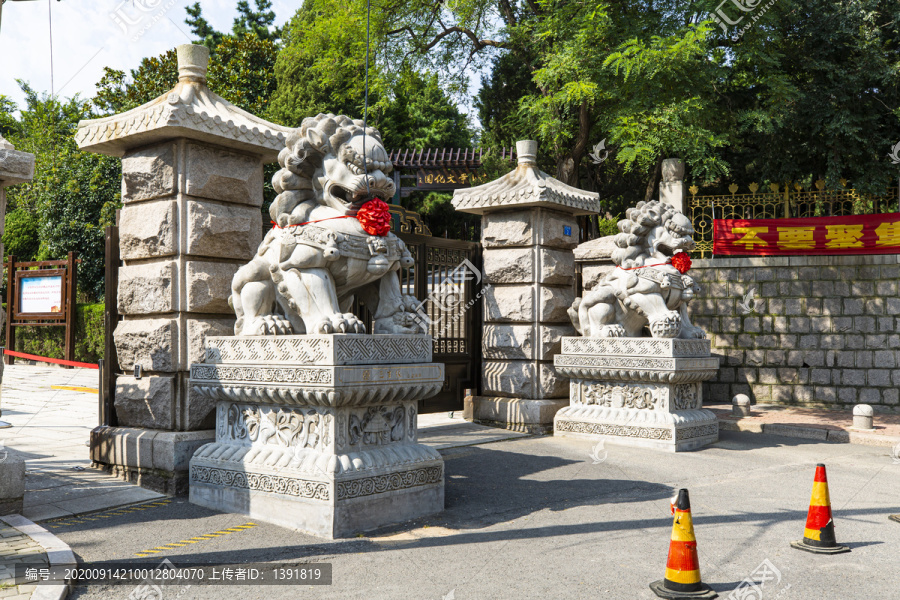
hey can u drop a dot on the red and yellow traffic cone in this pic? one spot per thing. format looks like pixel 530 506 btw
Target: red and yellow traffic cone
pixel 819 534
pixel 682 567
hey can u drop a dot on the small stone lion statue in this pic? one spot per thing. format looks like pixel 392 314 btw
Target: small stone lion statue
pixel 648 287
pixel 327 246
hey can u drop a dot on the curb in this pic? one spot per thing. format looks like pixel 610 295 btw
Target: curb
pixel 840 436
pixel 58 554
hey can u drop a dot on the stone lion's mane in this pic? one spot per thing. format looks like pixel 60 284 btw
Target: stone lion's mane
pixel 303 153
pixel 639 222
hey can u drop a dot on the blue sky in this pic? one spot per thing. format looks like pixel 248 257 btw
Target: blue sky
pixel 91 34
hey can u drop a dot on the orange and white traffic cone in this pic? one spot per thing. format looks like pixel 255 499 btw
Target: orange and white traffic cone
pixel 682 567
pixel 818 536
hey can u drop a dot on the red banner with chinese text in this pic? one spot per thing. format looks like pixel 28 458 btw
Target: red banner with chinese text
pixel 857 234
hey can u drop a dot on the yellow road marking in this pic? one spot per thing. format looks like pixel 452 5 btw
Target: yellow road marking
pixel 74 388
pixel 196 539
pixel 116 512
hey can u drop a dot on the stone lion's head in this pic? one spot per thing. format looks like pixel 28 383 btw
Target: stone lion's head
pixel 327 159
pixel 651 228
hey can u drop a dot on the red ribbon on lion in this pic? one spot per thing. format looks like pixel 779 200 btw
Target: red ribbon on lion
pixel 374 216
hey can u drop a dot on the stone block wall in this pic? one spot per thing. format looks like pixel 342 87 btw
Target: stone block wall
pixel 190 219
pixel 817 330
pixel 528 272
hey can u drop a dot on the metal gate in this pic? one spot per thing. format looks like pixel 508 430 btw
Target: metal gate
pixel 445 278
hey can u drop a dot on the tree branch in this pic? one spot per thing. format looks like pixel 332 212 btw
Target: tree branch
pixel 477 43
pixel 508 12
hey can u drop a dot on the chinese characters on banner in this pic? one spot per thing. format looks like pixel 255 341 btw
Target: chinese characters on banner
pixel 857 234
pixel 447 179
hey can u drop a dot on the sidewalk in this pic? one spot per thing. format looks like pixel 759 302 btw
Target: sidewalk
pixel 51 431
pixel 25 543
pixel 810 423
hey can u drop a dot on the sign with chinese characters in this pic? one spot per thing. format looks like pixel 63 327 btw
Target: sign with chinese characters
pixel 856 234
pixel 447 179
pixel 41 295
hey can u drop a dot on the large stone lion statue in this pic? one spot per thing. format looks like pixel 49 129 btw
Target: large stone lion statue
pixel 318 256
pixel 645 289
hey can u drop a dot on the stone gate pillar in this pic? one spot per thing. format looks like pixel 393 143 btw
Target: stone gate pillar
pixel 671 185
pixel 192 186
pixel 528 232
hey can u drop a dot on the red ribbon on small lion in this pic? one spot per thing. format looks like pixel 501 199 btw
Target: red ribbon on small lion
pixel 374 216
pixel 681 262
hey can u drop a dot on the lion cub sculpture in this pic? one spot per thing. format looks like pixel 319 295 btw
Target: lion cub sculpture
pixel 322 252
pixel 648 288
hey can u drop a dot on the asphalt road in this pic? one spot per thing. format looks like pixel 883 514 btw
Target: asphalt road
pixel 540 518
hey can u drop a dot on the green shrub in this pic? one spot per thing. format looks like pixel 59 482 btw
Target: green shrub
pixel 21 237
pixel 51 341
pixel 607 227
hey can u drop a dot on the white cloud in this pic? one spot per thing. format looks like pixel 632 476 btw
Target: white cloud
pixel 89 35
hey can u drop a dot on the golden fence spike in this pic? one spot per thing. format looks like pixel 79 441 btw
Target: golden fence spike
pixel 733 188
pixel 820 184
pixel 753 187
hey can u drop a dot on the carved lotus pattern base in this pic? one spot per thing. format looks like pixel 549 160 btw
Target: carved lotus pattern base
pixel 637 391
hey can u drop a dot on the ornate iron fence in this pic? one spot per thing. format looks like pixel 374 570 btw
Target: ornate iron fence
pixel 789 201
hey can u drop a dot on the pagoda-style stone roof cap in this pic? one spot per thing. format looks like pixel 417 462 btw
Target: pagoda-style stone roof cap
pixel 15 166
pixel 189 110
pixel 527 186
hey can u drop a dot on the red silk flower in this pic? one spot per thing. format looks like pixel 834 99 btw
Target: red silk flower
pixel 375 217
pixel 682 262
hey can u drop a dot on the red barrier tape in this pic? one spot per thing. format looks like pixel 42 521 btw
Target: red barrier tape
pixel 55 361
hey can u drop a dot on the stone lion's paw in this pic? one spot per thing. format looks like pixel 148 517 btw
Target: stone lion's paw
pixel 340 323
pixel 691 332
pixel 612 331
pixel 269 325
pixel 409 303
pixel 667 325
pixel 402 322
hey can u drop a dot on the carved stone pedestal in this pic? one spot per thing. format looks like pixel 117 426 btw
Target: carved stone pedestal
pixel 637 391
pixel 318 432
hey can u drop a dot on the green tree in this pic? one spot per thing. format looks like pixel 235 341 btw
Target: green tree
pixel 154 77
pixel 73 196
pixel 812 91
pixel 321 68
pixel 570 74
pixel 497 101
pixel 416 113
pixel 258 23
